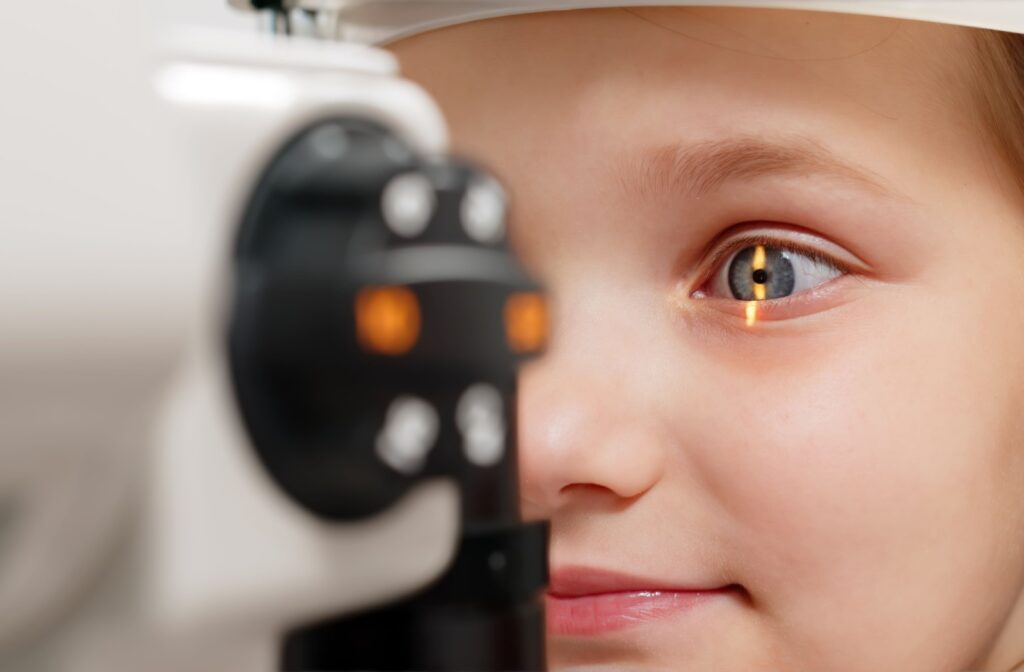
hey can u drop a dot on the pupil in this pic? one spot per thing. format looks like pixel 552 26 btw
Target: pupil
pixel 760 276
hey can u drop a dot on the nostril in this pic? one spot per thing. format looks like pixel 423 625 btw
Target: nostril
pixel 594 497
pixel 588 488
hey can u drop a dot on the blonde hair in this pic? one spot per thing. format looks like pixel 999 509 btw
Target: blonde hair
pixel 1000 65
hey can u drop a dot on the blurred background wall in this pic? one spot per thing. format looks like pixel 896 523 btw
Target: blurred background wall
pixel 215 13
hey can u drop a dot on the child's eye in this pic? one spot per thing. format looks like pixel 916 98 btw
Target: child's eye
pixel 770 271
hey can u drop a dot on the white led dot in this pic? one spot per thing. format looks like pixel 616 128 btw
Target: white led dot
pixel 329 142
pixel 409 432
pixel 480 416
pixel 483 211
pixel 396 151
pixel 408 203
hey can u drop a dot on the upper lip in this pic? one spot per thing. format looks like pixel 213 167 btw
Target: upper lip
pixel 580 581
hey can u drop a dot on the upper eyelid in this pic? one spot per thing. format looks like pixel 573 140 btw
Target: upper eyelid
pixel 722 249
pixel 738 244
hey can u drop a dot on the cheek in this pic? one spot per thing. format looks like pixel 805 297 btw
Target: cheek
pixel 878 462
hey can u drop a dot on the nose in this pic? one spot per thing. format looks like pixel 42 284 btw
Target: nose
pixel 583 430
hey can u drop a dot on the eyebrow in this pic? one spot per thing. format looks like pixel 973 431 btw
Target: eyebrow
pixel 700 168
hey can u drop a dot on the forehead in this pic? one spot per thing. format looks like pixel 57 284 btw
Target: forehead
pixel 586 88
pixel 861 59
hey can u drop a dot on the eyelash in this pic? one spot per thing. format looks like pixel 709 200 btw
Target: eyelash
pixel 734 246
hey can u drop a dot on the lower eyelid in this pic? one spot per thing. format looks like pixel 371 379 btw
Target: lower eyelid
pixel 811 301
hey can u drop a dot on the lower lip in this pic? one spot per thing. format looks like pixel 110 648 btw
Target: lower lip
pixel 589 615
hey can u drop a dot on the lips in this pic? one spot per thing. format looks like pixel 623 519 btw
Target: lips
pixel 583 601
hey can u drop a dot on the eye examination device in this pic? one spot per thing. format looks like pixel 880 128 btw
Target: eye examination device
pixel 259 345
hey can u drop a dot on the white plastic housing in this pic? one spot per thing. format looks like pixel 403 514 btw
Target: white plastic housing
pixel 96 280
pixel 227 549
pixel 378 21
pixel 144 533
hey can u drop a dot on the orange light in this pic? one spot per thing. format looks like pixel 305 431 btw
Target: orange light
pixel 526 322
pixel 751 313
pixel 759 257
pixel 387 319
pixel 760 291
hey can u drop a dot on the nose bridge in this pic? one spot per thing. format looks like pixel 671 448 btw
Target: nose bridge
pixel 595 358
pixel 588 415
pixel 602 328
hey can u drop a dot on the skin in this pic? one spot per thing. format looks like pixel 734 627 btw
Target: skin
pixel 853 459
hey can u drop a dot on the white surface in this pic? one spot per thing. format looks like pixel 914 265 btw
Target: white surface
pixel 94 288
pixel 208 13
pixel 378 21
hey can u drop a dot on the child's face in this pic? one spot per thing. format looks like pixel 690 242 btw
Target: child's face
pixel 852 459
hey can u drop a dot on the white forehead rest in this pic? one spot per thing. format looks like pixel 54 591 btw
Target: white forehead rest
pixel 381 21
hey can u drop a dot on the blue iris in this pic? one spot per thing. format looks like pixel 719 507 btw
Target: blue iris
pixel 777 275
